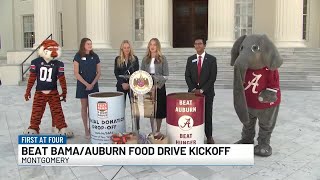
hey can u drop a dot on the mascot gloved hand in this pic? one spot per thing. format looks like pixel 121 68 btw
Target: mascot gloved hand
pixel 256 89
pixel 268 96
pixel 47 70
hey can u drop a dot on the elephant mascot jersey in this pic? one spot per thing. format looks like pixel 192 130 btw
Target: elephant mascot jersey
pixel 256 90
pixel 46 70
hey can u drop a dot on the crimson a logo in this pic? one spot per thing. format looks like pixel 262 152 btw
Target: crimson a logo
pixel 185 123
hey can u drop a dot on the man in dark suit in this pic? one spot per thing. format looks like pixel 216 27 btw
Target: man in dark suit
pixel 200 75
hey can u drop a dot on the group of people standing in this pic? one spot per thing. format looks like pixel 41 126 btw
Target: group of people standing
pixel 200 76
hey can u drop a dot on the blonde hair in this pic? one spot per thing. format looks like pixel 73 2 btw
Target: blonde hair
pixel 121 59
pixel 159 56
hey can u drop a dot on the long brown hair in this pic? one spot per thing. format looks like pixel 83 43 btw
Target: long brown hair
pixel 159 56
pixel 121 58
pixel 82 50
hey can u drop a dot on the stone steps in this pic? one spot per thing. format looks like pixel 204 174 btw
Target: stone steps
pixel 221 74
pixel 284 82
pixel 3 60
pixel 300 71
pixel 184 56
pixel 217 86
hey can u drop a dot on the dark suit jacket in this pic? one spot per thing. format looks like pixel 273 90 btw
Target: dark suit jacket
pixel 124 71
pixel 207 77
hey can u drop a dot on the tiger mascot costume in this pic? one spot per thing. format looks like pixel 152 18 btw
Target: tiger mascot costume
pixel 47 71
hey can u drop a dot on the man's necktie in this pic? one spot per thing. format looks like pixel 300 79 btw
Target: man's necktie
pixel 199 68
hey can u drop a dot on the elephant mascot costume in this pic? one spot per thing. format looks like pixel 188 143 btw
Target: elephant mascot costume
pixel 256 90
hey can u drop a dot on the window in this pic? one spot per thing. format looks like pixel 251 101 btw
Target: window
pixel 28 31
pixel 305 20
pixel 139 20
pixel 243 17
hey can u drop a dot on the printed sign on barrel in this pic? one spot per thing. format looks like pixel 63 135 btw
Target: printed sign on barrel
pixel 106 111
pixel 185 118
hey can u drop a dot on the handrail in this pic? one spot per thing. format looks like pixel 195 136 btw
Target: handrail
pixel 24 72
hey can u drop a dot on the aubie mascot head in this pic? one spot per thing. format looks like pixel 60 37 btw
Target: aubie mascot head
pixel 49 50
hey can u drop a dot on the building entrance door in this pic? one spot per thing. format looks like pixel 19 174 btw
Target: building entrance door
pixel 190 19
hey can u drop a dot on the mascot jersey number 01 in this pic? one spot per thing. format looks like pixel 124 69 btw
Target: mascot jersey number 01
pixel 46 70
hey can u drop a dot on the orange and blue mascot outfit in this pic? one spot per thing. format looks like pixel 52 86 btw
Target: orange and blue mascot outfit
pixel 47 70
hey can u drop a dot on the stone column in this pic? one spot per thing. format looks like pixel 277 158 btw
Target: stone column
pixel 289 19
pixel 220 23
pixel 45 20
pixel 156 22
pixel 97 23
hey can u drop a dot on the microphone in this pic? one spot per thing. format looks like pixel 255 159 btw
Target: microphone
pixel 131 66
pixel 127 72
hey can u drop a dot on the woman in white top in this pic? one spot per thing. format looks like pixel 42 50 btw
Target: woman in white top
pixel 156 64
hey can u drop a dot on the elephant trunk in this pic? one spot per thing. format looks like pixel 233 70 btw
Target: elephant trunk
pixel 239 98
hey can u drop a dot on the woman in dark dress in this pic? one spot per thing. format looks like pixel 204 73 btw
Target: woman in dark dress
pixel 156 64
pixel 125 64
pixel 87 71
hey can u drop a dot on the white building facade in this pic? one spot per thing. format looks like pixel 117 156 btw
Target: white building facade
pixel 25 23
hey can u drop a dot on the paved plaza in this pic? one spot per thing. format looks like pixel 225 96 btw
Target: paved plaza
pixel 295 141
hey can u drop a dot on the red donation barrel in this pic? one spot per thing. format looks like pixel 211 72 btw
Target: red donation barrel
pixel 185 118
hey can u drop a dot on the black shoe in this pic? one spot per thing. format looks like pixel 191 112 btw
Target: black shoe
pixel 210 140
pixel 244 141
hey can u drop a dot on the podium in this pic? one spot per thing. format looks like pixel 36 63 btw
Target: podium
pixel 143 103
